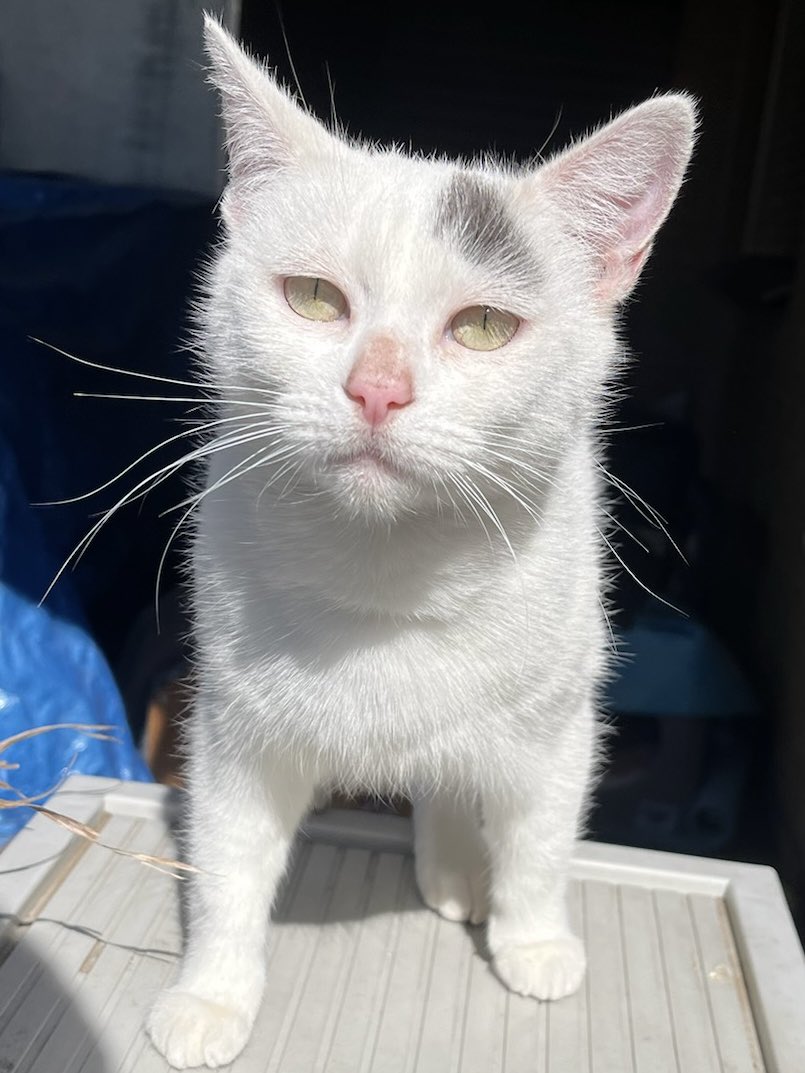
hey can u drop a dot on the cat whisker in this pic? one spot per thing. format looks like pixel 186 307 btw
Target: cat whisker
pixel 293 480
pixel 612 641
pixel 526 467
pixel 530 508
pixel 146 454
pixel 191 505
pixel 486 507
pixel 147 484
pixel 282 470
pixel 525 444
pixel 462 490
pixel 540 157
pixel 168 398
pixel 242 436
pixel 644 509
pixel 651 514
pixel 162 560
pixel 142 376
pixel 615 521
pixel 634 428
pixel 238 470
pixel 290 57
pixel 492 514
pixel 637 580
pixel 457 511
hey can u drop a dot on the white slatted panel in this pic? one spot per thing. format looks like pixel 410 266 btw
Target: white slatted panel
pixel 652 1029
pixel 363 979
pixel 693 1027
pixel 727 999
pixel 400 1019
pixel 566 1033
pixel 484 1036
pixel 353 1025
pixel 610 1043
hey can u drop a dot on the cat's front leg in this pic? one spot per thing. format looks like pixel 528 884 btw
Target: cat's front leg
pixel 245 809
pixel 530 830
pixel 450 857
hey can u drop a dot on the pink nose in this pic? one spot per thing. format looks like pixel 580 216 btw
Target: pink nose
pixel 380 380
pixel 377 399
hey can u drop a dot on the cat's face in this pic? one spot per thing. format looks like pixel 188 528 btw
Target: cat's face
pixel 432 334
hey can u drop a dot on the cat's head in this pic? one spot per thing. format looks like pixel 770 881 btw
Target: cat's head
pixel 430 331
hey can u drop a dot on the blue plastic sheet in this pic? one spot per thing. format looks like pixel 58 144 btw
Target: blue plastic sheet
pixel 51 672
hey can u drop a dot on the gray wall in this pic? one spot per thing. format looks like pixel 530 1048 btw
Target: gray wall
pixel 111 90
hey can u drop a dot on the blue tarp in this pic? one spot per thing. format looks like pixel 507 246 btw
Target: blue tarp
pixel 51 672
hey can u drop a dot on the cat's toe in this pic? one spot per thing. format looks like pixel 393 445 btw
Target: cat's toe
pixel 547 970
pixel 453 895
pixel 190 1031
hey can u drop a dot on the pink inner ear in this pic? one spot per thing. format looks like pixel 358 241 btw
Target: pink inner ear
pixel 642 215
pixel 617 186
pixel 620 273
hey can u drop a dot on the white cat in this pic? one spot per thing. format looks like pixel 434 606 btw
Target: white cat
pixel 398 561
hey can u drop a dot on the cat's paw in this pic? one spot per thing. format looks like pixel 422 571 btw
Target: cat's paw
pixel 547 970
pixel 190 1031
pixel 459 896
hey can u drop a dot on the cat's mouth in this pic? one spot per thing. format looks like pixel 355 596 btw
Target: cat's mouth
pixel 371 460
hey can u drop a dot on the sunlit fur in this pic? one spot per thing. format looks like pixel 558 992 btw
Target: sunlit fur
pixel 426 618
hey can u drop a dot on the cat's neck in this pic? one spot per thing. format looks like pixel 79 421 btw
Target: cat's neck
pixel 426 564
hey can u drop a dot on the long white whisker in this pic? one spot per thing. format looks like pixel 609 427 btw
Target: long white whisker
pixel 487 507
pixel 208 401
pixel 146 454
pixel 530 508
pixel 528 446
pixel 459 483
pixel 140 376
pixel 242 467
pixel 637 580
pixel 163 559
pixel 644 509
pixel 457 511
pixel 483 503
pixel 610 631
pixel 214 446
pixel 622 527
pixel 286 465
pixel 651 515
pixel 149 483
pixel 525 466
pixel 293 480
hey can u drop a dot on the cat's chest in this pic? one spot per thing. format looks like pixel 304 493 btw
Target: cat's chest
pixel 359 693
pixel 326 669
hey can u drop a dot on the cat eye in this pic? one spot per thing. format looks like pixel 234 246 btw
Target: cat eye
pixel 483 328
pixel 314 298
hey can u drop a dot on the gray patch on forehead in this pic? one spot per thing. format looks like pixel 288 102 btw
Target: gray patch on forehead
pixel 472 215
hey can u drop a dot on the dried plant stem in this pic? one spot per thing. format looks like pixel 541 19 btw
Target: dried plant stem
pixel 166 865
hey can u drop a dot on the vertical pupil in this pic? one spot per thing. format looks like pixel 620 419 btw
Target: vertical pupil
pixel 316 290
pixel 486 316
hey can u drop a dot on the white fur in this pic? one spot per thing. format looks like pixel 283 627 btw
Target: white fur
pixel 399 631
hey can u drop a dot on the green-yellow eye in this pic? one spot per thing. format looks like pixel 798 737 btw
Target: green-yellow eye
pixel 314 298
pixel 483 328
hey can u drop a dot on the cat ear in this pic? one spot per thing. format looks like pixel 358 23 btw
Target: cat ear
pixel 616 187
pixel 265 129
